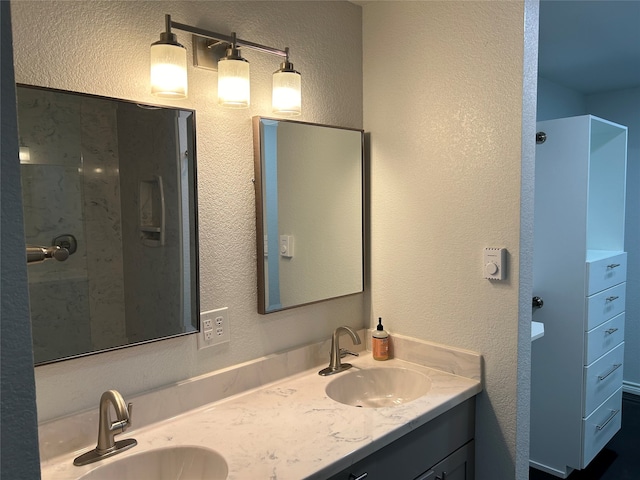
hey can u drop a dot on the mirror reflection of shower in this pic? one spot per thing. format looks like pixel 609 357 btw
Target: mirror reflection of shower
pixel 104 183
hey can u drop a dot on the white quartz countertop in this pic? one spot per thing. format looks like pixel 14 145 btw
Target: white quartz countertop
pixel 289 429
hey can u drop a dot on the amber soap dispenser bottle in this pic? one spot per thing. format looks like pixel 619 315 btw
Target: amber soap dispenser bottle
pixel 380 342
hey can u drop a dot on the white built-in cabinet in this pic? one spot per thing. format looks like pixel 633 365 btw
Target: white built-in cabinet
pixel 580 273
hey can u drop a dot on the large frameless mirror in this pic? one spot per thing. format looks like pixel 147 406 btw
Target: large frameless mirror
pixel 109 197
pixel 309 212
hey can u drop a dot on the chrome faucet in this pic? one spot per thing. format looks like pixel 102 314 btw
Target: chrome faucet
pixel 107 430
pixel 335 366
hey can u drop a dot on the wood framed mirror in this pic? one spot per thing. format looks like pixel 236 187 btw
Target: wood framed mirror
pixel 309 212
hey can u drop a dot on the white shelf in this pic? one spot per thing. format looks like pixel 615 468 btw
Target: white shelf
pixel 537 330
pixel 595 255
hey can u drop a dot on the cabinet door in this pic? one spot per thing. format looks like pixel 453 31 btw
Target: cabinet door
pixel 413 453
pixel 457 466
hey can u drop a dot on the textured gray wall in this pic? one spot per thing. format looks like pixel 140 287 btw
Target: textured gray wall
pixel 332 94
pixel 19 434
pixel 452 174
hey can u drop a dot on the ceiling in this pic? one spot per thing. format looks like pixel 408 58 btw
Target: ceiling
pixel 590 46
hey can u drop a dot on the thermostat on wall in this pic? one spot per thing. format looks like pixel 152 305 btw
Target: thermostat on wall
pixel 286 246
pixel 495 263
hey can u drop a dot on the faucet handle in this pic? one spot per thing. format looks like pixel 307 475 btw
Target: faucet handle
pixel 129 416
pixel 122 424
pixel 344 352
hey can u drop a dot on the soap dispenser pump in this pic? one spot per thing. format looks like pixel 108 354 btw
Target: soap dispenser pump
pixel 380 342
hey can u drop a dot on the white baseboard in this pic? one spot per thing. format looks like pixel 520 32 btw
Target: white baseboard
pixel 552 471
pixel 631 387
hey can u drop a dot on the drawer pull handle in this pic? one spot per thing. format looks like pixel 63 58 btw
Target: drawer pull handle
pixel 611 331
pixel 613 265
pixel 613 414
pixel 612 298
pixel 613 369
pixel 363 475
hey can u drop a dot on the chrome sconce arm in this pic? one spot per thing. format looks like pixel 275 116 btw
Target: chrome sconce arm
pixel 217 51
pixel 220 38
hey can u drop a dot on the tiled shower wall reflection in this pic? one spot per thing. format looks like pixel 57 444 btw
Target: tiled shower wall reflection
pixel 71 186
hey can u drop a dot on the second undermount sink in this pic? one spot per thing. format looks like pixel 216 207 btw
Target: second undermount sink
pixel 378 387
pixel 184 462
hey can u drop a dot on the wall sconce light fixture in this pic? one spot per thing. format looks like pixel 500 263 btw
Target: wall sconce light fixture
pixel 168 66
pixel 216 51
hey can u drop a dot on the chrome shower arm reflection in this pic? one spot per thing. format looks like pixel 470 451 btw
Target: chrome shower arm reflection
pixel 40 254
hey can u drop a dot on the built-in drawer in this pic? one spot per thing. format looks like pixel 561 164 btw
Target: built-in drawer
pixel 605 271
pixel 599 427
pixel 605 305
pixel 602 378
pixel 603 338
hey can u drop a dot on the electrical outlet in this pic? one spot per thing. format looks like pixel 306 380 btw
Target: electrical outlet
pixel 214 328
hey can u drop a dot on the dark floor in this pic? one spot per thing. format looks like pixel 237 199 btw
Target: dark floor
pixel 620 459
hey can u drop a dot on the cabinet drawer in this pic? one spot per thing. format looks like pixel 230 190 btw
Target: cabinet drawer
pixel 606 272
pixel 602 378
pixel 605 305
pixel 603 338
pixel 599 427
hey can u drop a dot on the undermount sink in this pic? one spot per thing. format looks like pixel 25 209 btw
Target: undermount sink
pixel 185 463
pixel 378 387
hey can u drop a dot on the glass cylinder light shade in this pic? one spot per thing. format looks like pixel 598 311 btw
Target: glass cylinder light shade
pixel 233 83
pixel 286 98
pixel 168 70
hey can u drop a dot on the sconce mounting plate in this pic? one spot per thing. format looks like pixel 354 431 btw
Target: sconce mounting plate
pixel 207 52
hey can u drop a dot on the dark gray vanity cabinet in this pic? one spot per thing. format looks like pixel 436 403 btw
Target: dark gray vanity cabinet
pixel 457 466
pixel 440 449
